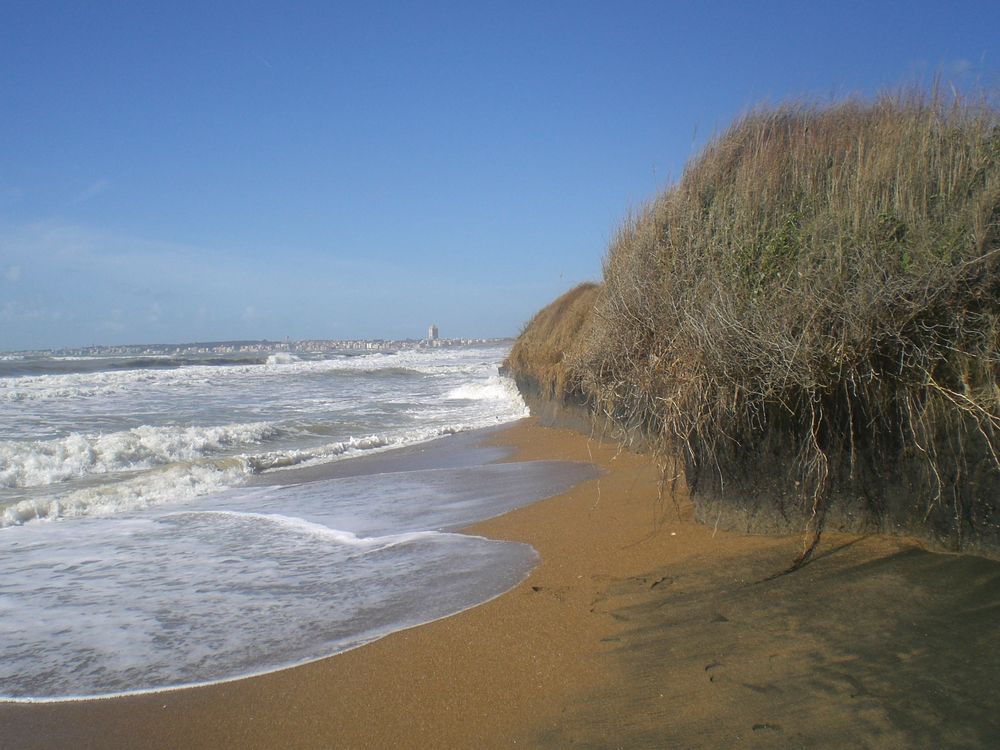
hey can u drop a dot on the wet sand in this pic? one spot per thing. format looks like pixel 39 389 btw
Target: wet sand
pixel 639 628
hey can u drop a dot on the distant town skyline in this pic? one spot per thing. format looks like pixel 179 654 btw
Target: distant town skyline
pixel 209 172
pixel 252 346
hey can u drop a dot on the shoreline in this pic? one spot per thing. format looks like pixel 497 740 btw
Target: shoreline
pixel 83 699
pixel 416 497
pixel 637 628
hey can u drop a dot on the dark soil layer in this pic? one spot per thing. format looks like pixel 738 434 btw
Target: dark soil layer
pixel 751 486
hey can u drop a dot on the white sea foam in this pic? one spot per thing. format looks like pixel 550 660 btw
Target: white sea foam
pixel 288 458
pixel 160 601
pixel 173 567
pixel 172 484
pixel 286 524
pixel 185 480
pixel 28 464
pixel 282 358
pixel 79 385
pixel 89 385
pixel 49 466
pixel 496 388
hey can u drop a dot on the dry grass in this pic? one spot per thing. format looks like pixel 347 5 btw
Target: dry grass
pixel 831 273
pixel 540 351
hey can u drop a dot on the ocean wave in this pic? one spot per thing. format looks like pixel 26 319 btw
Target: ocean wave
pixel 286 459
pixel 184 480
pixel 171 484
pixel 282 358
pixel 292 524
pixel 52 366
pixel 76 455
pixel 83 385
pixel 113 382
pixel 136 374
pixel 289 459
pixel 169 362
pixel 496 388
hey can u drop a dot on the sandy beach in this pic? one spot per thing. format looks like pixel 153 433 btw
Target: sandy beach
pixel 638 628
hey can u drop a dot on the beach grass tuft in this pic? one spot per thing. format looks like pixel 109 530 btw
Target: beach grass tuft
pixel 547 344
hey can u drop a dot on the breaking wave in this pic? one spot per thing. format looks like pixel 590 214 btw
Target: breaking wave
pixel 76 455
pixel 496 388
pixel 172 484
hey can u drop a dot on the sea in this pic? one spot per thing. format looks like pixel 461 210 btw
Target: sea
pixel 172 521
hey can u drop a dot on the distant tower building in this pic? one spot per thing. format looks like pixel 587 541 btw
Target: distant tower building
pixel 432 333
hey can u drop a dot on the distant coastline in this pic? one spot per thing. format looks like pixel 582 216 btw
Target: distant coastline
pixel 263 346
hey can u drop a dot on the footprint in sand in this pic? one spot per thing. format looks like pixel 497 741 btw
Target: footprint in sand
pixel 713 669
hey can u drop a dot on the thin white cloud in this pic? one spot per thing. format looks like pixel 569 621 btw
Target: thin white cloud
pixel 92 191
pixel 15 312
pixel 13 273
pixel 57 248
pixel 173 290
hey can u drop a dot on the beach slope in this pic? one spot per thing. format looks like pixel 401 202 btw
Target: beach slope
pixel 639 628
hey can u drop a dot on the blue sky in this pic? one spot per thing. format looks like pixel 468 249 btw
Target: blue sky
pixel 205 171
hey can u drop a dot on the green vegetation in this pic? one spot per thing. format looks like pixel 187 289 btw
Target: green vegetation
pixel 817 299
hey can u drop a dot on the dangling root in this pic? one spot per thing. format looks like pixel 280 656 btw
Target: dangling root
pixel 810 542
